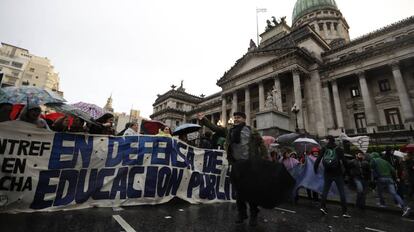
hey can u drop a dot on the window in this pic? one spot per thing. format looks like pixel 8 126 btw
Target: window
pixel 34 84
pixel 302 93
pixel 283 97
pixel 318 13
pixel 4 62
pixel 37 77
pixel 360 121
pixel 31 69
pixel 177 123
pixel 393 116
pixel 328 25
pixel 320 26
pixel 17 64
pixel 312 26
pixel 384 85
pixel 355 91
pixel 335 25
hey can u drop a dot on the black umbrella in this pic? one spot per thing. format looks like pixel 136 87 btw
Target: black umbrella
pixel 263 182
pixel 186 128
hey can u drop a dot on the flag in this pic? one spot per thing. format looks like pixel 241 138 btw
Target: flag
pixel 361 142
pixel 261 10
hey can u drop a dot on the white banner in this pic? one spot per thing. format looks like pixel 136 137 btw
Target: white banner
pixel 46 171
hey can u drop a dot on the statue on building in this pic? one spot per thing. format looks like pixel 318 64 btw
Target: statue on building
pixel 283 20
pixel 274 21
pixel 269 25
pixel 181 88
pixel 276 98
pixel 252 44
pixel 269 104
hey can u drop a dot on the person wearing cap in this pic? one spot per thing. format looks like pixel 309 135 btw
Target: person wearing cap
pixel 242 143
pixel 360 172
pixel 31 114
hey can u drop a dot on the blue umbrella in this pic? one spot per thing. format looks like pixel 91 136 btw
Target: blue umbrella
pixel 186 129
pixel 25 94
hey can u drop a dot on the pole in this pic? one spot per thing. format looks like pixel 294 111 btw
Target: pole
pixel 257 27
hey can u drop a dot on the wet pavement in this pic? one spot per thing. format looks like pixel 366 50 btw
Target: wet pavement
pixel 181 216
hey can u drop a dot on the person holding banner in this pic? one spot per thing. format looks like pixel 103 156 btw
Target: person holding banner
pixel 5 111
pixel 132 129
pixel 31 114
pixel 243 143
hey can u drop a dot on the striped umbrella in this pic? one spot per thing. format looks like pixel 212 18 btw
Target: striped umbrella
pixel 93 110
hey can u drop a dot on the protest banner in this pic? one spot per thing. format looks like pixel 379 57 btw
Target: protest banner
pixel 46 171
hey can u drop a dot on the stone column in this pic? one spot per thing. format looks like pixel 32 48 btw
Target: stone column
pixel 317 109
pixel 234 103
pixel 261 97
pixel 337 102
pixel 327 106
pixel 278 97
pixel 405 101
pixel 224 110
pixel 298 96
pixel 370 113
pixel 247 104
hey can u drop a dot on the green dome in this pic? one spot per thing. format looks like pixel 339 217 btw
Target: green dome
pixel 302 7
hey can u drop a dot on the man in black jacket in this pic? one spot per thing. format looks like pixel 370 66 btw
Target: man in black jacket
pixel 360 173
pixel 332 156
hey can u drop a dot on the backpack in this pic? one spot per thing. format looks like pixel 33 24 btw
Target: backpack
pixel 330 159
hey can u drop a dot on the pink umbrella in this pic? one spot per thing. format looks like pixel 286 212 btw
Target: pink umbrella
pixel 93 110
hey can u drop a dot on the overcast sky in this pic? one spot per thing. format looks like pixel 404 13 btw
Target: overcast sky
pixel 136 49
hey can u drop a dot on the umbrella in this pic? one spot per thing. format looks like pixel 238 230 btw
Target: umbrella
pixel 93 110
pixel 262 182
pixel 304 145
pixel 150 127
pixel 407 148
pixel 186 128
pixel 70 109
pixel 287 138
pixel 268 140
pixel 24 94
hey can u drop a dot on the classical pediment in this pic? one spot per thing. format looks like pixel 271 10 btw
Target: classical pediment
pixel 251 61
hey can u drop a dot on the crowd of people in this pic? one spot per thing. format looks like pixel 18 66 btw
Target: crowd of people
pixel 365 172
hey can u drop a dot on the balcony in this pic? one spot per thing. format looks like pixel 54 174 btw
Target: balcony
pixel 350 131
pixel 391 128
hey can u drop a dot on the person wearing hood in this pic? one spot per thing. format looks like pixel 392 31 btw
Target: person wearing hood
pixel 332 157
pixel 384 174
pixel 104 125
pixel 31 114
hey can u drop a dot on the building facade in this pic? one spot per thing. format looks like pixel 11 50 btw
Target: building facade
pixel 20 68
pixel 311 77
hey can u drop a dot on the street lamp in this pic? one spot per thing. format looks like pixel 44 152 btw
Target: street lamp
pixel 219 123
pixel 295 110
pixel 230 121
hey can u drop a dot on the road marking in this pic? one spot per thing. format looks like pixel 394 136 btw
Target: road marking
pixel 123 223
pixel 372 229
pixel 285 210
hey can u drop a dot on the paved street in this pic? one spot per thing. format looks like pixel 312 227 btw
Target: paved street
pixel 181 216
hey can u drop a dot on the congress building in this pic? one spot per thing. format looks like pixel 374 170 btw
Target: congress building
pixel 311 77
